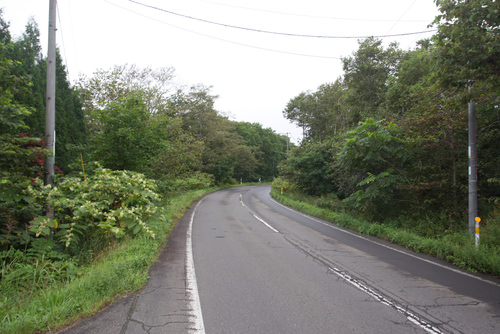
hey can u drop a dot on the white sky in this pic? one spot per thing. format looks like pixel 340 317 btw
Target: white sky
pixel 253 83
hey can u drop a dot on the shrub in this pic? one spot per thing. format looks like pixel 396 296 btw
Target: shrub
pixel 195 181
pixel 109 204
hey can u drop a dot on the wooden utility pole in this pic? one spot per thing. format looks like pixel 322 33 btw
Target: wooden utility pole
pixel 50 112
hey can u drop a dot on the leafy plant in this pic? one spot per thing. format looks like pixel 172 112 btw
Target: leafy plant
pixel 108 204
pixel 378 158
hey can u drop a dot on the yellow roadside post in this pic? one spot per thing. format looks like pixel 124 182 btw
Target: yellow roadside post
pixel 478 220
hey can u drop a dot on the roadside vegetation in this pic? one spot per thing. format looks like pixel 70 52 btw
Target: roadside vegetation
pixel 45 292
pixel 133 152
pixel 385 147
pixel 384 153
pixel 426 235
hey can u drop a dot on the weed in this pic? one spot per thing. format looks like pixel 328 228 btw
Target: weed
pixel 428 235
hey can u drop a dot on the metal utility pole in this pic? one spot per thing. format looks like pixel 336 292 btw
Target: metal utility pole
pixel 50 111
pixel 472 167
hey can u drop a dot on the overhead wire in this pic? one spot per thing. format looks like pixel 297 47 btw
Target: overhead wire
pixel 64 46
pixel 274 32
pixel 307 15
pixel 224 40
pixel 398 20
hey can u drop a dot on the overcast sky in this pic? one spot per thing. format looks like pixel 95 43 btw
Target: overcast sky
pixel 255 73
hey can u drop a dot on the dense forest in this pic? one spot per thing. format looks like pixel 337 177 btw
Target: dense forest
pixel 389 138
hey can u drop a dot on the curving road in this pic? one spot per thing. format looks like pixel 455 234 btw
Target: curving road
pixel 263 268
pixel 238 262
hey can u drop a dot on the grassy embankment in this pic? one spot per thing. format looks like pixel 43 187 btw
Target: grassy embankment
pixel 457 248
pixel 49 303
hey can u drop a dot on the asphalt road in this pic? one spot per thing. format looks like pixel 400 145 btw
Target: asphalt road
pixel 238 262
pixel 263 268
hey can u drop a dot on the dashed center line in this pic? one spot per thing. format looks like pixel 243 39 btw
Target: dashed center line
pixel 265 223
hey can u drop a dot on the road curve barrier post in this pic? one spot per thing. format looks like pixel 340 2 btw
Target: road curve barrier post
pixel 478 220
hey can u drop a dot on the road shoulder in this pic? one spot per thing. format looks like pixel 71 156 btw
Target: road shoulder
pixel 160 307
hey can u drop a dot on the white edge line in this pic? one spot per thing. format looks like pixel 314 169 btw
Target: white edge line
pixel 191 283
pixel 331 225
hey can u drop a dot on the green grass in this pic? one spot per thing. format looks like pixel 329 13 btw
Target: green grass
pixel 457 248
pixel 123 268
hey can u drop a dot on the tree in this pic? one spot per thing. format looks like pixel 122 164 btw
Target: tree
pixel 107 86
pixel 27 51
pixel 468 49
pixel 5 37
pixel 377 158
pixel 70 124
pixel 180 156
pixel 268 148
pixel 19 157
pixel 321 114
pixel 414 75
pixel 468 42
pixel 125 141
pixel 299 110
pixel 309 167
pixel 366 75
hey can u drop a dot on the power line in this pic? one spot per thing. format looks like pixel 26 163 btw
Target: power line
pixel 274 32
pixel 397 21
pixel 307 15
pixel 225 40
pixel 64 46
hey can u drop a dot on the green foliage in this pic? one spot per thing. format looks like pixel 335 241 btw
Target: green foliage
pixel 65 293
pixel 195 181
pixel 20 270
pixel 376 157
pixel 308 167
pixel 266 146
pixel 125 141
pixel 280 184
pixel 468 42
pixel 321 114
pixel 108 204
pixel 26 52
pixel 456 248
pixel 180 155
pixel 107 86
pixel 366 76
pixel 20 157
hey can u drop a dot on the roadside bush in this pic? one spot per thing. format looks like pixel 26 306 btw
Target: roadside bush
pixel 490 233
pixel 107 206
pixel 195 181
pixel 280 183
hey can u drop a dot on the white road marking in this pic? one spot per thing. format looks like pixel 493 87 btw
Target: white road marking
pixel 264 222
pixel 331 225
pixel 257 217
pixel 193 296
pixel 412 317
